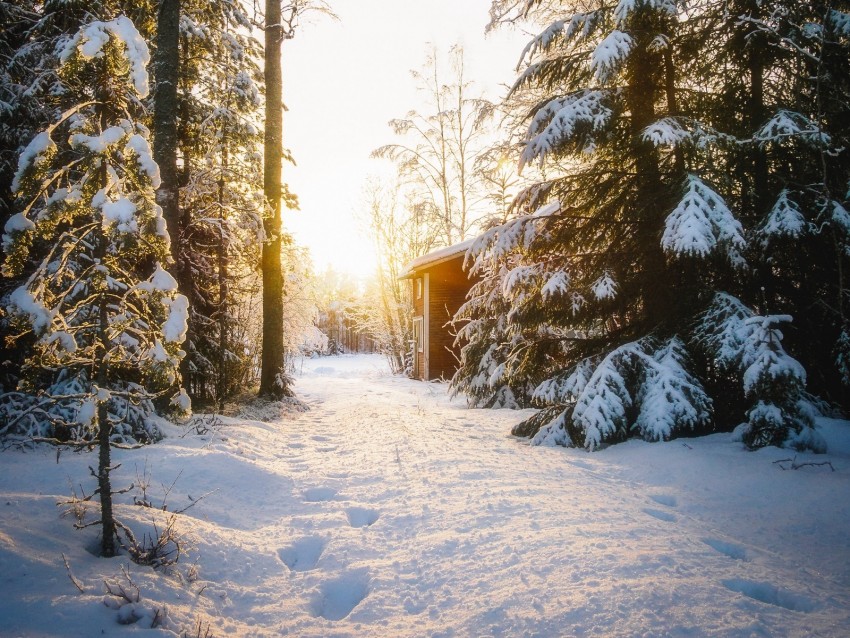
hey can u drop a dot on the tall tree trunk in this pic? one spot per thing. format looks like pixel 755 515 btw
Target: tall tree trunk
pixel 101 379
pixel 222 277
pixel 272 379
pixel 166 72
pixel 644 82
pixel 104 444
pixel 104 428
pixel 166 115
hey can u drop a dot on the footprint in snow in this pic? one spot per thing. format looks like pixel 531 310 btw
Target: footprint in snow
pixel 335 599
pixel 319 494
pixel 667 500
pixel 361 516
pixel 661 516
pixel 303 554
pixel 767 593
pixel 729 549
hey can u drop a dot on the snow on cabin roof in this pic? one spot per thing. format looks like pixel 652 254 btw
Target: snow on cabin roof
pixel 436 257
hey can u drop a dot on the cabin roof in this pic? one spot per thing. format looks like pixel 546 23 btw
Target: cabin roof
pixel 436 257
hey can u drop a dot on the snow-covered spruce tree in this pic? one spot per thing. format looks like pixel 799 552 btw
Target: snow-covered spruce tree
pixel 30 99
pixel 107 317
pixel 587 273
pixel 767 134
pixel 487 339
pixel 770 137
pixel 632 238
pixel 750 347
pixel 221 201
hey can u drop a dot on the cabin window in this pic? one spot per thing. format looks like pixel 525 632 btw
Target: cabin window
pixel 419 288
pixel 418 334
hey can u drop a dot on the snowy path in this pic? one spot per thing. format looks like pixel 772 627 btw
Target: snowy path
pixel 388 510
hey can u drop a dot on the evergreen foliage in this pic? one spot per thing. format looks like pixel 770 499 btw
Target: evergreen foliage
pixel 668 185
pixel 107 320
pixel 221 201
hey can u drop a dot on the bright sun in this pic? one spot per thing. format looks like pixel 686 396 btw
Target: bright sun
pixel 341 97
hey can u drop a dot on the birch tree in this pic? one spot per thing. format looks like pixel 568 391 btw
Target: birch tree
pixel 436 157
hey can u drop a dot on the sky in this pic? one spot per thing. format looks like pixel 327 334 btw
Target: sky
pixel 344 80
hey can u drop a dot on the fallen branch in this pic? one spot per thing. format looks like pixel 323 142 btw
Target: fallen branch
pixel 796 466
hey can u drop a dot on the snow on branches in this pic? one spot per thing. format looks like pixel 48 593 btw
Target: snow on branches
pixel 103 312
pixel 579 26
pixel 605 287
pixel 702 223
pixel 626 7
pixel 92 37
pixel 639 388
pixel 751 346
pixel 609 54
pixel 37 152
pixel 600 408
pixel 670 398
pixel 784 220
pixel 791 125
pixel 558 121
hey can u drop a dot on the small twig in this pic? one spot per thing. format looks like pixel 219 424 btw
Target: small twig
pixel 796 466
pixel 168 491
pixel 76 582
pixel 118 590
pixel 124 490
pixel 195 501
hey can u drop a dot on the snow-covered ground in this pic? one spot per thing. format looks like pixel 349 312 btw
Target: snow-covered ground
pixel 389 510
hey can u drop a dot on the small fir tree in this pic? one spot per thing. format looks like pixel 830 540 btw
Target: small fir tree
pixel 107 317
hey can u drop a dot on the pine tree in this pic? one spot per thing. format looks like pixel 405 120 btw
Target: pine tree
pixel 221 201
pixel 273 380
pixel 31 97
pixel 750 346
pixel 106 315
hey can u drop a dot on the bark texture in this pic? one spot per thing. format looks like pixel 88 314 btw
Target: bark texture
pixel 166 72
pixel 272 378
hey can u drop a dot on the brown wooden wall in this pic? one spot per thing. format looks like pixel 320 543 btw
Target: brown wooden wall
pixel 447 291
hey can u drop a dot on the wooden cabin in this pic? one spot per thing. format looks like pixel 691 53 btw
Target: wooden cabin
pixel 440 285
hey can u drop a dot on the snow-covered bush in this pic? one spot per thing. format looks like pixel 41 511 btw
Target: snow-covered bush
pixel 750 346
